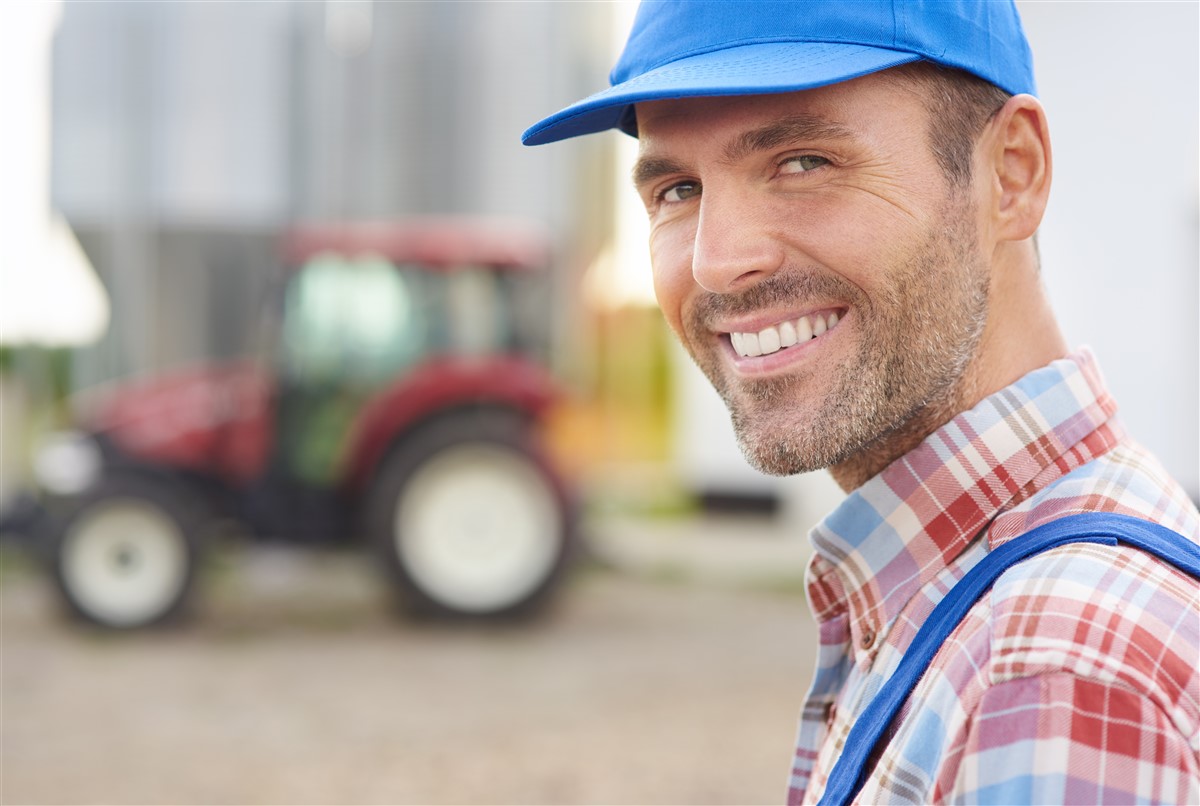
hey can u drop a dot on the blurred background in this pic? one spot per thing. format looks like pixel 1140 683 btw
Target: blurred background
pixel 174 182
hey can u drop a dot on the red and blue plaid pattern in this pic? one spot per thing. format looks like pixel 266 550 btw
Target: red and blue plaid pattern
pixel 1075 679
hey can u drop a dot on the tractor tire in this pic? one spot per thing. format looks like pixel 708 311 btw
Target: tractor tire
pixel 470 521
pixel 125 555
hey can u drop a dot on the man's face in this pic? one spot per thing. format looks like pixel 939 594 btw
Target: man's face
pixel 822 221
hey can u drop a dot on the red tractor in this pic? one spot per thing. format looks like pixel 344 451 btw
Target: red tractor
pixel 398 401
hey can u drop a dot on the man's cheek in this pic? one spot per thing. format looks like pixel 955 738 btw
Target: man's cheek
pixel 672 286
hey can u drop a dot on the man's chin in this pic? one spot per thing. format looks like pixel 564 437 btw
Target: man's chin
pixel 786 436
pixel 781 430
pixel 779 446
pixel 778 464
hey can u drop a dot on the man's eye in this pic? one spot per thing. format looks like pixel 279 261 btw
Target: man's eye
pixel 802 163
pixel 680 192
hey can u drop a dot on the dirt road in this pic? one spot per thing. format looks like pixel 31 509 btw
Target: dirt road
pixel 296 684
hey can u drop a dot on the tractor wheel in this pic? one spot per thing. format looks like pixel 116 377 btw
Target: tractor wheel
pixel 469 519
pixel 126 554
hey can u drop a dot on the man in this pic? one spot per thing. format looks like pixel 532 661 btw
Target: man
pixel 843 199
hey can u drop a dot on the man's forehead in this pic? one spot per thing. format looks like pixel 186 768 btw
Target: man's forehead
pixel 842 111
pixel 743 110
pixel 839 104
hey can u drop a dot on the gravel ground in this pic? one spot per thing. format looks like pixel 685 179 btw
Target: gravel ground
pixel 295 683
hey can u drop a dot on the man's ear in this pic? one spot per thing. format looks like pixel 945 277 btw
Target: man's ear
pixel 1018 158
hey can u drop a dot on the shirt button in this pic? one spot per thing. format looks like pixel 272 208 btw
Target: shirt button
pixel 867 639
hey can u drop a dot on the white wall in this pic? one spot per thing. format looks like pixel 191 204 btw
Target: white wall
pixel 1119 242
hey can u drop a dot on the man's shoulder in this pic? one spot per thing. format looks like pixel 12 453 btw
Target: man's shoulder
pixel 1115 615
pixel 1127 480
pixel 1092 580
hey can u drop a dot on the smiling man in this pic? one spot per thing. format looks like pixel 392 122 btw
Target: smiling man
pixel 843 199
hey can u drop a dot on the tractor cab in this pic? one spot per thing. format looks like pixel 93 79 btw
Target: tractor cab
pixel 372 312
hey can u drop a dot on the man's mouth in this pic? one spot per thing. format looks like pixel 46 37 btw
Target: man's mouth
pixel 778 337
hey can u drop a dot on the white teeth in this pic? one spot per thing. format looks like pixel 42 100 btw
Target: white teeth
pixel 768 340
pixel 785 334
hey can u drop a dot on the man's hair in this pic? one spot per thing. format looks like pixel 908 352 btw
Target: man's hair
pixel 959 105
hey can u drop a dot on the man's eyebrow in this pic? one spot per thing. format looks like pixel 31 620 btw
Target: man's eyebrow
pixel 647 169
pixel 784 131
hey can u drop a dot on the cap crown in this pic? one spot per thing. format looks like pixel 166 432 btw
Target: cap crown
pixel 983 37
pixel 682 48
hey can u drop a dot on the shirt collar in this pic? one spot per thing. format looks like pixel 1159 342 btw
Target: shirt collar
pixel 897 531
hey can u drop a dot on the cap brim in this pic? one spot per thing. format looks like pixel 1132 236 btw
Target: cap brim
pixel 756 69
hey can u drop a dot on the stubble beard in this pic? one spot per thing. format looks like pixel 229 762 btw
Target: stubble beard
pixel 916 344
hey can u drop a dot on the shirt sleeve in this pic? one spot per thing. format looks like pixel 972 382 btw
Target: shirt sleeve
pixel 1061 738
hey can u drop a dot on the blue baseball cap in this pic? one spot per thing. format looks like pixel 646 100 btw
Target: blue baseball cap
pixel 686 48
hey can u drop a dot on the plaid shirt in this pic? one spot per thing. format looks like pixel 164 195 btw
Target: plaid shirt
pixel 1075 679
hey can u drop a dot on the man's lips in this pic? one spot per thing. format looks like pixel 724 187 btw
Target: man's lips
pixel 782 335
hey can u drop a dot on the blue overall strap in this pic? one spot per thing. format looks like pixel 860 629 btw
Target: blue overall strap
pixel 850 772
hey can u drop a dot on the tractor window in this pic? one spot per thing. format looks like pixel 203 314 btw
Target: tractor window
pixel 475 312
pixel 356 320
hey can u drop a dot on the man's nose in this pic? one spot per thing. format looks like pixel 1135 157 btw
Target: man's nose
pixel 733 247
